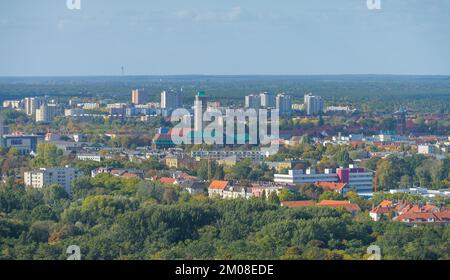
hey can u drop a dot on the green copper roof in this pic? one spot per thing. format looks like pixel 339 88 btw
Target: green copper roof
pixel 201 93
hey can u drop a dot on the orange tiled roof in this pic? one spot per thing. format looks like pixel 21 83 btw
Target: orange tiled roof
pixel 331 186
pixel 167 180
pixel 296 204
pixel 218 184
pixel 129 175
pixel 347 205
pixel 385 203
pixel 380 210
pixel 438 217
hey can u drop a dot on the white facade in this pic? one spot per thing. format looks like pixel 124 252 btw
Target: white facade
pixel 313 104
pixel 236 192
pixel 200 106
pixel 94 157
pixel 284 104
pixel 359 178
pixel 51 176
pixel 30 104
pixel 11 104
pixel 2 131
pixel 299 177
pixel 267 100
pixel 74 112
pixel 253 101
pixel 426 149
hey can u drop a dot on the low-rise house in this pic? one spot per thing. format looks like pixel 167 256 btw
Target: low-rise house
pixel 425 218
pixel 171 161
pixel 340 188
pixel 168 181
pixel 217 187
pixel 192 187
pixel 261 189
pixel 406 212
pixel 340 204
pixel 378 212
pixel 233 192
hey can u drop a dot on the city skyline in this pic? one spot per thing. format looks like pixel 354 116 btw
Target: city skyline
pixel 234 38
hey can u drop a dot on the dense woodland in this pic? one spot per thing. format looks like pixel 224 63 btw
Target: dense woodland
pixel 112 218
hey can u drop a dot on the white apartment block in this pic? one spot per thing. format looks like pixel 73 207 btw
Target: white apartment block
pixel 253 101
pixel 11 104
pixel 267 100
pixel 310 176
pixel 284 103
pixel 426 149
pixel 43 177
pixel 221 155
pixel 359 178
pixel 313 104
pixel 92 157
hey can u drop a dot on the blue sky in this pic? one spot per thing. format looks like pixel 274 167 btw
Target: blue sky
pixel 224 37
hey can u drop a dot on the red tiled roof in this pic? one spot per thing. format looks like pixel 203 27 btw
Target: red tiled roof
pixel 130 175
pixel 380 210
pixel 385 203
pixel 218 184
pixel 296 204
pixel 438 217
pixel 331 186
pixel 347 205
pixel 167 180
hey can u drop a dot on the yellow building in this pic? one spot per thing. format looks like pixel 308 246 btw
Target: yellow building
pixel 172 162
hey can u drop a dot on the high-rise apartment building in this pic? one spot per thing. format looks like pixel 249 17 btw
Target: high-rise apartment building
pixel 139 96
pixel 2 131
pixel 267 100
pixel 313 105
pixel 171 100
pixel 252 101
pixel 284 104
pixel 200 106
pixel 46 112
pixel 30 105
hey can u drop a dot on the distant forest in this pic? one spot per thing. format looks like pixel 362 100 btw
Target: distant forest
pixel 368 93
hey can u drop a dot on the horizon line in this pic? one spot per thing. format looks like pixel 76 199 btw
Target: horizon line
pixel 215 75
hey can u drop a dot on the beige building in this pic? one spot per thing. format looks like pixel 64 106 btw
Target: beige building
pixel 139 96
pixel 51 176
pixel 46 112
pixel 172 162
